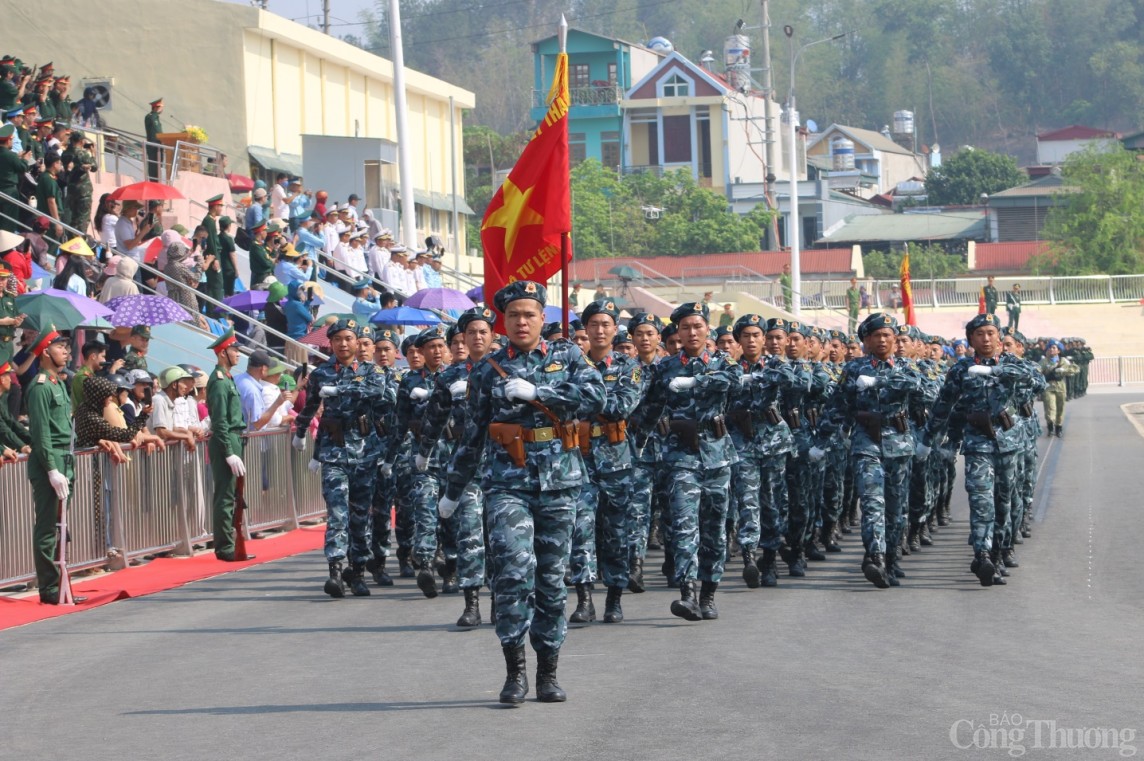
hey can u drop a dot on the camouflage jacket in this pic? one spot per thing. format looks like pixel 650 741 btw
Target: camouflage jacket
pixel 443 411
pixel 1024 397
pixel 384 413
pixel 753 434
pixel 646 445
pixel 1056 373
pixel 565 383
pixel 411 417
pixel 897 385
pixel 716 374
pixel 623 380
pixel 966 396
pixel 347 417
pixel 812 388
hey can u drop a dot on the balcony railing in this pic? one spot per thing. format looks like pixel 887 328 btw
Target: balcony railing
pixel 591 95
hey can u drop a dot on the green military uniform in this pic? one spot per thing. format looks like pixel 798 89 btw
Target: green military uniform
pixel 853 304
pixel 133 360
pixel 13 433
pixel 226 261
pixel 153 126
pixel 227 425
pixel 49 418
pixel 12 167
pixel 261 265
pixel 8 92
pixel 80 376
pixel 47 187
pixel 61 106
pixel 8 310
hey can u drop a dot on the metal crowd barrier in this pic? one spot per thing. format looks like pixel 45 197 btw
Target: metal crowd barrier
pixel 156 503
pixel 1116 370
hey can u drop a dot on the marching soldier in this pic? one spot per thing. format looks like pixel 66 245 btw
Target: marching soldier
pixel 1014 344
pixel 523 403
pixel 400 471
pixel 225 444
pixel 346 388
pixel 644 332
pixel 1057 371
pixel 384 420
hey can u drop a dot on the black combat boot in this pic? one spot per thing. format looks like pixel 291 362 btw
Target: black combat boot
pixel 516 680
pixel 547 689
pixel 668 569
pixel 654 542
pixel 750 570
pixel 943 513
pixel 335 587
pixel 912 540
pixel 768 569
pixel 786 553
pixel 635 575
pixel 1009 558
pixel 404 569
pixel 426 582
pixel 376 568
pixel 1048 430
pixel 844 523
pixel 472 615
pixel 1060 431
pixel 924 535
pixel 585 611
pixel 1027 525
pixel 892 568
pixel 810 551
pixel 450 586
pixel 999 569
pixel 828 539
pixel 685 607
pixel 613 611
pixel 357 580
pixel 707 607
pixel 797 565
pixel 874 568
pixel 985 569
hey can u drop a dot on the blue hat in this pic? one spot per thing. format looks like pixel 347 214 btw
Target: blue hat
pixel 724 330
pixel 601 306
pixel 817 333
pixel 798 327
pixel 385 334
pixel 644 318
pixel 980 321
pixel 748 321
pixel 876 321
pixel 777 323
pixel 407 344
pixel 365 330
pixel 836 335
pixel 435 333
pixel 575 325
pixel 346 323
pixel 363 283
pixel 14 113
pixel 521 289
pixel 668 331
pixel 476 314
pixel 451 333
pixel 622 337
pixel 683 311
pixel 551 330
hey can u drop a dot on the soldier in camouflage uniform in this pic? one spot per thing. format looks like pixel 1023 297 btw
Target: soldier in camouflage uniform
pixel 762 440
pixel 378 345
pixel 873 397
pixel 400 473
pixel 603 505
pixel 444 422
pixel 979 394
pixel 523 401
pixel 644 332
pixel 138 343
pixel 687 401
pixel 347 390
pixel 1014 344
pixel 78 200
pixel 837 451
pixel 816 343
pixel 412 405
pixel 923 471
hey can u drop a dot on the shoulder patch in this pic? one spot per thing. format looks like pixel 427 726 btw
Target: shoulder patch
pixel 41 378
pixel 219 375
pixel 636 375
pixel 554 367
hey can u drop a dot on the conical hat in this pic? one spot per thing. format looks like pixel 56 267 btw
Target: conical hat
pixel 79 247
pixel 9 241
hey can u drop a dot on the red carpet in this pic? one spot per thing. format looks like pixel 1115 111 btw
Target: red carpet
pixel 156 576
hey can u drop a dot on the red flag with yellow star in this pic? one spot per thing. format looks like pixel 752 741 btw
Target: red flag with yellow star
pixel 522 229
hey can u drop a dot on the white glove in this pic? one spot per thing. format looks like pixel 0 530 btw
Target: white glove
pixel 446 507
pixel 980 370
pixel 865 382
pixel 682 383
pixel 418 394
pixel 59 483
pixel 386 471
pixel 519 388
pixel 299 443
pixel 327 391
pixel 314 466
pixel 421 463
pixel 921 451
pixel 746 379
pixel 237 467
pixel 816 454
pixel 457 389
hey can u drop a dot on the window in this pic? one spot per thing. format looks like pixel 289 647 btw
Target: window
pixel 577 150
pixel 613 79
pixel 676 139
pixel 580 76
pixel 676 87
pixel 610 149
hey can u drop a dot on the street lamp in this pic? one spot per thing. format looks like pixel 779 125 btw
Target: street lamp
pixel 794 221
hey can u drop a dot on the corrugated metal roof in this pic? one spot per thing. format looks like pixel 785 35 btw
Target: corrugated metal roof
pixel 875 140
pixel 969 225
pixel 1048 185
pixel 831 261
pixel 1008 257
pixel 1077 132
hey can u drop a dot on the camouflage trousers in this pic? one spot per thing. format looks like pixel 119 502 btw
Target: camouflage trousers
pixel 989 483
pixel 757 488
pixel 582 558
pixel 817 497
pixel 403 504
pixel 923 477
pixel 834 482
pixel 530 539
pixel 1025 482
pixel 882 484
pixel 612 509
pixel 348 491
pixel 699 502
pixel 423 494
pixel 463 537
pixel 381 515
pixel 649 484
pixel 799 499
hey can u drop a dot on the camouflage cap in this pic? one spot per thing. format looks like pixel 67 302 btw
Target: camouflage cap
pixel 669 331
pixel 748 321
pixel 724 330
pixel 450 333
pixel 876 321
pixel 365 330
pixel 981 321
pixel 644 318
pixel 345 323
pixel 836 335
pixel 794 326
pixel 551 330
pixel 407 344
pixel 683 311
pixel 575 325
pixel 521 289
pixel 601 306
pixel 385 334
pixel 434 333
pixel 482 314
pixel 778 323
pixel 143 331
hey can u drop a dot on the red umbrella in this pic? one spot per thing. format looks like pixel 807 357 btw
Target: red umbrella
pixel 155 247
pixel 146 191
pixel 316 338
pixel 240 183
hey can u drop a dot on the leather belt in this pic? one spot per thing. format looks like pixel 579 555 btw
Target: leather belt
pixel 536 435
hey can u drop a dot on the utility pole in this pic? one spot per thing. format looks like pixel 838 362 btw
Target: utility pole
pixel 408 233
pixel 326 16
pixel 768 92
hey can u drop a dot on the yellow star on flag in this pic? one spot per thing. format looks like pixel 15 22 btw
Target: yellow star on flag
pixel 513 215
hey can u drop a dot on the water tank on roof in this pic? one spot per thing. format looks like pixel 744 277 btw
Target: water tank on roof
pixel 842 154
pixel 660 45
pixel 737 59
pixel 903 122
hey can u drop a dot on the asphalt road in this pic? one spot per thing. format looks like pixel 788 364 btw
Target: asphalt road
pixel 259 664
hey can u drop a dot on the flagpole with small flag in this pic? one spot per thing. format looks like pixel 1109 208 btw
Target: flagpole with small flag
pixel 907 289
pixel 565 237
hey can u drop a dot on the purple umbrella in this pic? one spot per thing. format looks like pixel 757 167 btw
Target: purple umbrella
pixel 145 310
pixel 476 294
pixel 439 298
pixel 248 301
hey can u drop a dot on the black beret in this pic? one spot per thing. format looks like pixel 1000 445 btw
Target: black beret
pixel 690 309
pixel 521 289
pixel 876 321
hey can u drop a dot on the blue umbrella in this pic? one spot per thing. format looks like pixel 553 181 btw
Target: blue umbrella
pixel 39 273
pixel 554 314
pixel 404 316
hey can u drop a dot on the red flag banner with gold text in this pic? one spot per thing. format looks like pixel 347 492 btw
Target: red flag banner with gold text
pixel 907 291
pixel 524 222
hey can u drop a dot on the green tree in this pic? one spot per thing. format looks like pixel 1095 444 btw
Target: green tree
pixel 962 179
pixel 926 261
pixel 1100 230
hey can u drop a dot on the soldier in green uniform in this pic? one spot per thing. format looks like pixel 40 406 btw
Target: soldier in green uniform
pixel 261 263
pixel 10 317
pixel 212 248
pixel 990 293
pixel 14 435
pixel 225 445
pixel 49 197
pixel 228 265
pixel 51 466
pixel 138 343
pixel 82 164
pixel 12 167
pixel 153 126
pixel 59 100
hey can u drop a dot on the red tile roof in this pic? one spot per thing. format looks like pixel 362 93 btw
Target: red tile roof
pixel 1077 132
pixel 1008 257
pixel 822 262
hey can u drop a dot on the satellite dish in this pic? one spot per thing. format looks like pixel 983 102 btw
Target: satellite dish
pixel 811 126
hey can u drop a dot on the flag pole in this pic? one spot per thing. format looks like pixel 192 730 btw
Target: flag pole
pixel 565 242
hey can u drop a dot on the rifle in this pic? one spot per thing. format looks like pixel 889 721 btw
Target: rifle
pixel 239 515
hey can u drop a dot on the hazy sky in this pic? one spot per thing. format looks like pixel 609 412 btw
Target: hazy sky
pixel 343 13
